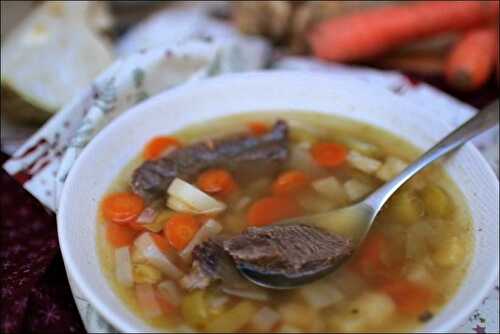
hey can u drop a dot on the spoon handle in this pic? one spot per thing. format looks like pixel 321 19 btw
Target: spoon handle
pixel 483 120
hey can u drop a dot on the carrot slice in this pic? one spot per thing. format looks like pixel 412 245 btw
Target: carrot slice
pixel 161 242
pixel 410 298
pixel 329 154
pixel 290 182
pixel 122 207
pixel 216 181
pixel 180 229
pixel 136 226
pixel 159 145
pixel 119 235
pixel 368 260
pixel 258 128
pixel 268 210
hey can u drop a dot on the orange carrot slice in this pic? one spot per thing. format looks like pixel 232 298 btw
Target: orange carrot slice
pixel 157 146
pixel 180 229
pixel 329 154
pixel 216 181
pixel 119 235
pixel 290 182
pixel 410 298
pixel 122 207
pixel 258 128
pixel 271 209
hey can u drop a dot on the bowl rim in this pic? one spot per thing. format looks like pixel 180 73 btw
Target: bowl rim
pixel 113 317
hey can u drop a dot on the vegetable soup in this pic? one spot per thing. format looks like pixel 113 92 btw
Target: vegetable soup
pixel 177 219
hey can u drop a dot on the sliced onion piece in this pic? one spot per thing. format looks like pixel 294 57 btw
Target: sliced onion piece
pixel 146 299
pixel 147 247
pixel 208 230
pixel 265 319
pixel 194 197
pixel 170 291
pixel 123 266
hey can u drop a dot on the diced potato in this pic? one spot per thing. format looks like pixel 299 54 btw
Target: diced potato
pixel 356 190
pixel 234 319
pixel 145 273
pixel 418 273
pixel 449 254
pixel 298 315
pixel 363 163
pixel 194 308
pixel 331 188
pixel 301 159
pixel 312 202
pixel 265 319
pixel 369 309
pixel 320 295
pixel 391 167
pixel 406 207
pixel 437 202
pixel 362 147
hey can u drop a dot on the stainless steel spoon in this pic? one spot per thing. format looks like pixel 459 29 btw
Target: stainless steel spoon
pixel 355 221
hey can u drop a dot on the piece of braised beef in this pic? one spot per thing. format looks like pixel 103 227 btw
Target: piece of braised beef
pixel 246 156
pixel 289 250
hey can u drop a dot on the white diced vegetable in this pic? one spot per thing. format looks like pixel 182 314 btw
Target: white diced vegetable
pixel 301 159
pixel 170 291
pixel 321 295
pixel 331 188
pixel 374 307
pixel 313 203
pixel 391 167
pixel 356 190
pixel 363 163
pixel 449 253
pixel 145 273
pixel 123 266
pixel 361 146
pixel 146 245
pixel 207 230
pixel 147 301
pixel 418 273
pixel 179 206
pixel 194 197
pixel 265 319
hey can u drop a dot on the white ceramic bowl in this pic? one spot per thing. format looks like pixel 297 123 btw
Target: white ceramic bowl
pixel 123 139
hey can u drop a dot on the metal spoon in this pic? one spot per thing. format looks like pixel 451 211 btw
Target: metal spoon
pixel 355 221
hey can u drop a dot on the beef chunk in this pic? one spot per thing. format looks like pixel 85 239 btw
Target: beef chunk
pixel 290 250
pixel 244 155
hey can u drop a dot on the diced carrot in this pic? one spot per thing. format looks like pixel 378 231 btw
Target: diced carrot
pixel 258 128
pixel 271 209
pixel 410 298
pixel 161 242
pixel 216 181
pixel 119 235
pixel 122 207
pixel 165 306
pixel 157 146
pixel 180 229
pixel 368 259
pixel 472 60
pixel 375 31
pixel 329 154
pixel 290 182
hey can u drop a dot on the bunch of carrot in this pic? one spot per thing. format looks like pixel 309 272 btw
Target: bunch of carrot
pixel 373 32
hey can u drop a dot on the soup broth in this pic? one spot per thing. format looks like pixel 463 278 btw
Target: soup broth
pixel 408 268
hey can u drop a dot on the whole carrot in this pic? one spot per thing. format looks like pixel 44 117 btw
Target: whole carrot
pixel 472 61
pixel 372 32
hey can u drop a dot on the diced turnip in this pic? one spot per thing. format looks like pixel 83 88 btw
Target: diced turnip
pixel 391 167
pixel 123 266
pixel 194 198
pixel 363 163
pixel 147 300
pixel 147 247
pixel 320 295
pixel 330 188
pixel 356 190
pixel 265 319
